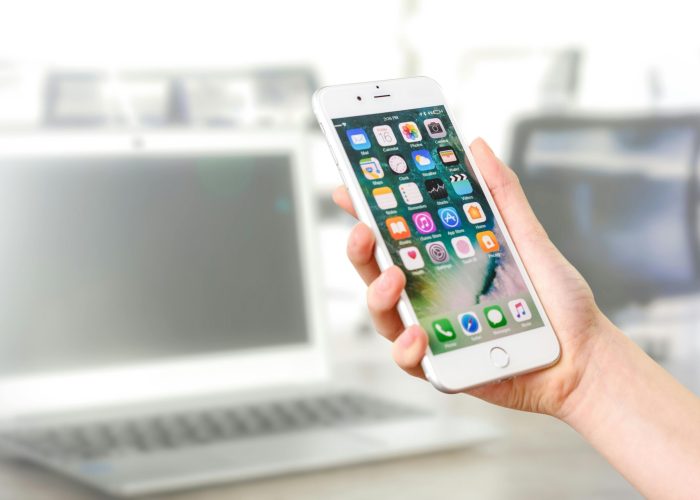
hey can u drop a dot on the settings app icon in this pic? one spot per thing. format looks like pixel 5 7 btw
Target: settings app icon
pixel 437 252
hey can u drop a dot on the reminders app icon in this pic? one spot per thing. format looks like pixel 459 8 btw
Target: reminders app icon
pixel 410 193
pixel 358 139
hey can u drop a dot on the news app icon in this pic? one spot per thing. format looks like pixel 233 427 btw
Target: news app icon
pixel 411 258
pixel 371 168
pixel 519 310
pixel 385 198
pixel 435 128
pixel 398 228
pixel 384 135
pixel 410 132
pixel 424 223
pixel 358 139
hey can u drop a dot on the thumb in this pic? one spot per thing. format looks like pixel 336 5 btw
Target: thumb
pixel 525 229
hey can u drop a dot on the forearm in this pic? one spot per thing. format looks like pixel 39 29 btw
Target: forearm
pixel 640 418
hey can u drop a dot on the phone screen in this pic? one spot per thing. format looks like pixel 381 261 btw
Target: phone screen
pixel 463 282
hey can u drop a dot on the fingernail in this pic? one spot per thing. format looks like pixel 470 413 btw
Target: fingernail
pixel 407 338
pixel 385 281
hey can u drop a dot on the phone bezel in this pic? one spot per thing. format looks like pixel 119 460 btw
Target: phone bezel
pixel 528 351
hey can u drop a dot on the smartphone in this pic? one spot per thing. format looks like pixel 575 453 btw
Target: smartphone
pixel 416 184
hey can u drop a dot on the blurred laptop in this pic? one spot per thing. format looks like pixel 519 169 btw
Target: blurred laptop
pixel 161 323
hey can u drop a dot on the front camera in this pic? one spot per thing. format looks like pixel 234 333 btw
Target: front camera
pixel 359 98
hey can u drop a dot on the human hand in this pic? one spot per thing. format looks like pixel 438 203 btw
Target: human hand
pixel 564 293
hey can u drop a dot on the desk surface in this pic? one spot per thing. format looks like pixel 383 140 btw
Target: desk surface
pixel 537 457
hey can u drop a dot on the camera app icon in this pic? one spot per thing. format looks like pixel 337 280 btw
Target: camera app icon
pixel 435 128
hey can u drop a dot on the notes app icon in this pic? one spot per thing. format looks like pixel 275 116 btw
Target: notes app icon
pixel 385 198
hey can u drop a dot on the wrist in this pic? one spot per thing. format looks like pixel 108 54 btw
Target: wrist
pixel 637 416
pixel 600 362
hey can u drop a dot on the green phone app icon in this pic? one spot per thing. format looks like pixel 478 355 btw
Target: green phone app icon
pixel 444 331
pixel 495 317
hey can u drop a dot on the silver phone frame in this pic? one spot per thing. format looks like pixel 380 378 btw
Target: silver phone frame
pixel 528 351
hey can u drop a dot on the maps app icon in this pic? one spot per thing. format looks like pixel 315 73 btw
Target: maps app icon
pixel 371 168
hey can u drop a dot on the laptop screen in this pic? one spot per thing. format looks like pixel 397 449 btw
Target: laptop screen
pixel 120 260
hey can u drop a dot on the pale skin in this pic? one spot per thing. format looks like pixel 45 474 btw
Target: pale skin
pixel 645 423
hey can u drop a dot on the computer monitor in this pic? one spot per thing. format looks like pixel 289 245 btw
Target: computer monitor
pixel 618 196
pixel 180 264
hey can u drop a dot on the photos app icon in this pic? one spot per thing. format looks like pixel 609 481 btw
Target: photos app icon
pixel 410 132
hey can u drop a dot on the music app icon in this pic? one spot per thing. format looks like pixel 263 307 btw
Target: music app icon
pixel 424 223
pixel 519 310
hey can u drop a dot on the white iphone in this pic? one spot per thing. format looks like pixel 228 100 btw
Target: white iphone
pixel 415 183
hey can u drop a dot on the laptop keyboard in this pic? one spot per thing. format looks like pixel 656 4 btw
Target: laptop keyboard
pixel 153 433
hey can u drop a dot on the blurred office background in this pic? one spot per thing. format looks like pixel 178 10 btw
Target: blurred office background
pixel 596 105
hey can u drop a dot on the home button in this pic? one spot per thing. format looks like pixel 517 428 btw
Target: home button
pixel 499 357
